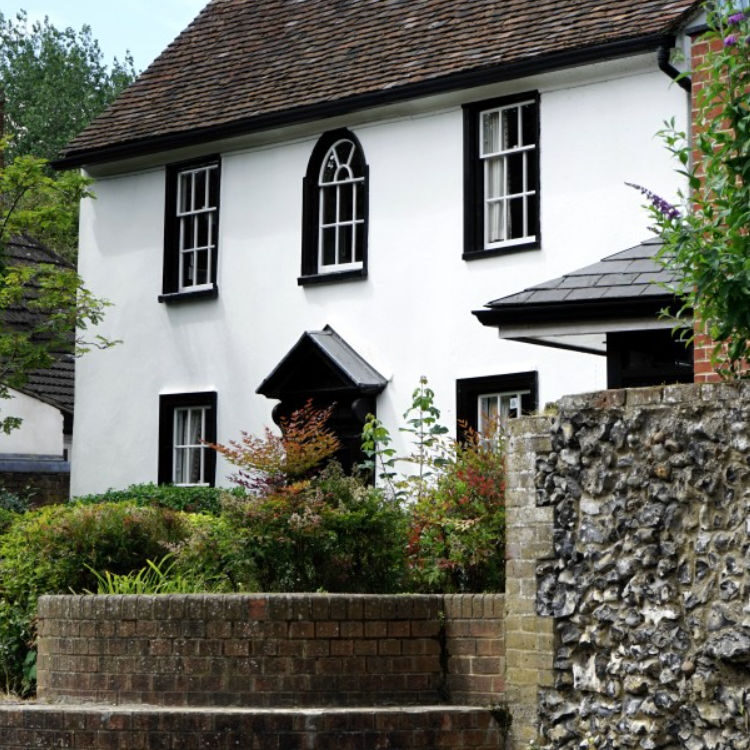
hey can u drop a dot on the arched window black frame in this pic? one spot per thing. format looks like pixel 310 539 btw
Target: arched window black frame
pixel 312 273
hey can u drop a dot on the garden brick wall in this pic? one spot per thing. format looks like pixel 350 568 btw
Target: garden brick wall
pixel 529 638
pixel 474 648
pixel 85 728
pixel 271 650
pixel 703 344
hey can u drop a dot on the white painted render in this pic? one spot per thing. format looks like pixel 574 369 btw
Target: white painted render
pixel 411 316
pixel 41 431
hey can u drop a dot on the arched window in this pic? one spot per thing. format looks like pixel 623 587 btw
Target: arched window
pixel 334 232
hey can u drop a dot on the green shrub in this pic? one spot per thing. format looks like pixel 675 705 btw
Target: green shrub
pixel 454 493
pixel 457 537
pixel 333 533
pixel 189 499
pixel 215 551
pixel 16 644
pixel 15 502
pixel 53 549
pixel 6 519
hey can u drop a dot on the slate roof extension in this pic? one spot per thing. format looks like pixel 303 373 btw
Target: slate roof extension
pixel 629 282
pixel 245 65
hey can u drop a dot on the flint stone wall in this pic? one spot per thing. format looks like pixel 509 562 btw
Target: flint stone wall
pixel 649 582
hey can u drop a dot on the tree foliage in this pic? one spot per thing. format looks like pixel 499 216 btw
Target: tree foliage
pixel 54 82
pixel 706 240
pixel 58 308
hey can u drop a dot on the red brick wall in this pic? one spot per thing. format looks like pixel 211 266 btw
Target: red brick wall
pixel 84 728
pixel 475 646
pixel 271 650
pixel 703 345
pixel 703 370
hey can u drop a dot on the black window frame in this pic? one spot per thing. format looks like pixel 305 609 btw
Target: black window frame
pixel 310 271
pixel 171 291
pixel 474 245
pixel 167 405
pixel 468 391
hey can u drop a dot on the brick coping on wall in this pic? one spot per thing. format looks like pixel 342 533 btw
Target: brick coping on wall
pixel 149 728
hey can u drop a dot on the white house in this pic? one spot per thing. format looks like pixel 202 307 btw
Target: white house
pixel 310 198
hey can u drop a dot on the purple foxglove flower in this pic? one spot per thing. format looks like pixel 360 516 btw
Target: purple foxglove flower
pixel 730 41
pixel 736 19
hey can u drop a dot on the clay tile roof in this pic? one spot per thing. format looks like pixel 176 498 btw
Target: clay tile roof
pixel 243 65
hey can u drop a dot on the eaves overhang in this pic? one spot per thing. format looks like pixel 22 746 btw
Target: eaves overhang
pixel 346 105
pixel 621 308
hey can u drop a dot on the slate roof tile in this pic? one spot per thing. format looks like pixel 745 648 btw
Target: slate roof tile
pixel 628 274
pixel 242 60
pixel 584 293
pixel 575 280
pixel 622 291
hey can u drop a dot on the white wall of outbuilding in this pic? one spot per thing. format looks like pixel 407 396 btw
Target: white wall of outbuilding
pixel 41 430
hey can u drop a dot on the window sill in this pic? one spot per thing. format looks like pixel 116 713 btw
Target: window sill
pixel 332 278
pixel 507 250
pixel 172 297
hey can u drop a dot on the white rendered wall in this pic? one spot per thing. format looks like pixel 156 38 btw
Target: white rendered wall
pixel 41 431
pixel 412 316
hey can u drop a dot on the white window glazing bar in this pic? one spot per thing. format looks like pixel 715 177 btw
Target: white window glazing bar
pixel 192 253
pixel 338 224
pixel 186 450
pixel 492 151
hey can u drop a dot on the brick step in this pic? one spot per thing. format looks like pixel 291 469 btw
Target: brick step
pixel 140 727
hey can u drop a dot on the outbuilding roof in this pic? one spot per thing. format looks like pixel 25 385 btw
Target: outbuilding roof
pixel 619 290
pixel 630 274
pixel 245 65
pixel 53 385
